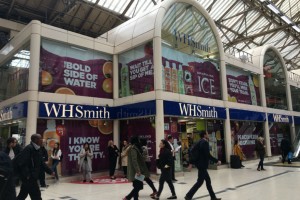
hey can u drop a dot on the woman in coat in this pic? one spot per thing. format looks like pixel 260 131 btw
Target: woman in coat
pixel 260 149
pixel 237 150
pixel 85 162
pixel 124 157
pixel 113 153
pixel 55 155
pixel 165 163
pixel 136 168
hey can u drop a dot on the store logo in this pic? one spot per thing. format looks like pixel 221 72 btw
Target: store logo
pixel 6 115
pixel 75 111
pixel 189 40
pixel 197 111
pixel 279 118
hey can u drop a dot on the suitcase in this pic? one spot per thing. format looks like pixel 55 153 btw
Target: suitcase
pixel 235 162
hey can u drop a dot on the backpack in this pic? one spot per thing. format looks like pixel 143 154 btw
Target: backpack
pixel 194 153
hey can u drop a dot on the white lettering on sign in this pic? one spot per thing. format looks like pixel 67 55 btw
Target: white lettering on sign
pixel 6 115
pixel 280 118
pixel 197 111
pixel 75 111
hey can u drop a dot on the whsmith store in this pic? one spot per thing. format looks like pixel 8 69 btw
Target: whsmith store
pixel 161 73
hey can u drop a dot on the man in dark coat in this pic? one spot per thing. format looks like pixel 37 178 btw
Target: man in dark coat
pixel 30 163
pixel 285 147
pixel 7 186
pixel 202 165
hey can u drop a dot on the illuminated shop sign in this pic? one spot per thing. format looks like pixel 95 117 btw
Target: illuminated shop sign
pixel 279 118
pixel 135 110
pixel 61 110
pixel 246 115
pixel 189 40
pixel 193 110
pixel 13 112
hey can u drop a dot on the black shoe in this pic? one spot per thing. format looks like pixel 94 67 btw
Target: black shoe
pixel 215 198
pixel 174 179
pixel 242 166
pixel 84 181
pixel 263 169
pixel 172 197
pixel 155 197
pixel 91 181
pixel 44 186
pixel 187 198
pixel 258 169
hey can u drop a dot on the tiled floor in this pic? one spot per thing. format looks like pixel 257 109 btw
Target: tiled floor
pixel 229 184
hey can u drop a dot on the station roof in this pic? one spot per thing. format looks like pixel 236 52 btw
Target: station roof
pixel 242 24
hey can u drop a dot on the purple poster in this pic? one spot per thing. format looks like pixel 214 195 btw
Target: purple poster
pixel 136 71
pixel 72 134
pixel 246 133
pixel 144 128
pixel 243 87
pixel 64 70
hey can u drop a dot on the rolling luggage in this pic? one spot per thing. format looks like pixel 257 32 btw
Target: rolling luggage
pixel 235 162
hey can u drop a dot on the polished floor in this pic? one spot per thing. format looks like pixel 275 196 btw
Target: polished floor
pixel 277 182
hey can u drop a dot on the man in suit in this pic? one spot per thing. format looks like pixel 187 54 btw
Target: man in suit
pixel 202 165
pixel 170 141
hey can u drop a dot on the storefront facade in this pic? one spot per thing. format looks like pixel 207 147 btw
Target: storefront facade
pixel 162 73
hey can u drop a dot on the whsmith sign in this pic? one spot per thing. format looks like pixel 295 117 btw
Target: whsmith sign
pixel 61 110
pixel 193 110
pixel 279 118
pixel 13 112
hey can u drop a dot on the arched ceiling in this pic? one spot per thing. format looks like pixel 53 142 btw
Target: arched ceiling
pixel 242 24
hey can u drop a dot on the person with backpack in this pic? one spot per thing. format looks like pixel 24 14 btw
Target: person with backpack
pixel 201 159
pixel 29 163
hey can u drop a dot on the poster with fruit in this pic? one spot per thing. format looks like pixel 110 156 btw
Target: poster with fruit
pixel 72 134
pixel 70 70
pixel 243 87
pixel 136 71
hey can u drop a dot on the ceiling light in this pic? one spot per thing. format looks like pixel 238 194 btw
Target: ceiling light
pixel 273 8
pixel 296 28
pixel 286 19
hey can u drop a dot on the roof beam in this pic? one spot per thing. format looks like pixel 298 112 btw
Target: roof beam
pixel 67 9
pixel 127 8
pixel 87 16
pixel 10 8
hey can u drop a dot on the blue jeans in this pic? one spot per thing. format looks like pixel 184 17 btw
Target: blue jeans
pixel 55 162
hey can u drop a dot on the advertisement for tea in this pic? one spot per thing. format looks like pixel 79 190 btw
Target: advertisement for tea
pixel 70 70
pixel 71 135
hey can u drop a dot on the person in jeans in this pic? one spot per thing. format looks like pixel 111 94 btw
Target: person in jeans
pixel 165 164
pixel 202 165
pixel 85 162
pixel 136 168
pixel 55 155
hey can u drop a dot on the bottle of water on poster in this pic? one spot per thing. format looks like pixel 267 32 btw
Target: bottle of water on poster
pixel 180 80
pixel 168 86
pixel 125 88
pixel 252 91
pixel 174 78
pixel 163 74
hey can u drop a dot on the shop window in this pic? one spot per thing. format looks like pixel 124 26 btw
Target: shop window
pixel 295 94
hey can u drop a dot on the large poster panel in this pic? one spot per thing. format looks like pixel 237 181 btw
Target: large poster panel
pixel 246 133
pixel 186 74
pixel 243 87
pixel 72 134
pixel 144 128
pixel 74 71
pixel 136 71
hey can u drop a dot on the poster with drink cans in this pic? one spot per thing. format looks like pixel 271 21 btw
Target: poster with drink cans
pixel 190 75
pixel 71 136
pixel 136 71
pixel 71 70
pixel 243 87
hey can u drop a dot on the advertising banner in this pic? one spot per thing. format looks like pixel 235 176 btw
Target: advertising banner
pixel 15 111
pixel 246 133
pixel 136 71
pixel 187 74
pixel 243 87
pixel 144 128
pixel 70 70
pixel 279 118
pixel 246 115
pixel 72 134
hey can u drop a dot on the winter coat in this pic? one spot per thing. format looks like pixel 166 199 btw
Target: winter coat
pixel 89 158
pixel 124 155
pixel 237 150
pixel 166 160
pixel 136 163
